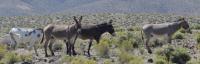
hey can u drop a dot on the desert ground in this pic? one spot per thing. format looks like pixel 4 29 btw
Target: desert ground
pixel 125 48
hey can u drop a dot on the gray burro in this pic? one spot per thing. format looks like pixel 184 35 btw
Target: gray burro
pixel 168 29
pixel 67 33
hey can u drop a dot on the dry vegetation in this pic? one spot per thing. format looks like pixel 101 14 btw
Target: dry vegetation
pixel 126 48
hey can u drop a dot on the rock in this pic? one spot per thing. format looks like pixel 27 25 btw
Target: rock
pixel 26 63
pixel 150 60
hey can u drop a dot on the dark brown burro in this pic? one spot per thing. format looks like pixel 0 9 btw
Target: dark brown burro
pixel 94 32
pixel 67 33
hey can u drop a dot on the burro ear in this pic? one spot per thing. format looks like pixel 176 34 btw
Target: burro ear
pixel 110 22
pixel 74 17
pixel 80 19
pixel 181 18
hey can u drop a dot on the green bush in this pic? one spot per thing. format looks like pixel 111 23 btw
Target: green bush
pixel 126 58
pixel 82 60
pixel 130 35
pixel 130 29
pixel 137 28
pixel 134 28
pixel 157 42
pixel 180 56
pixel 66 59
pixel 128 45
pixel 161 60
pixel 176 55
pixel 182 30
pixel 129 40
pixel 103 48
pixel 125 45
pixel 121 36
pixel 120 29
pixel 21 45
pixel 166 52
pixel 198 38
pixel 2 51
pixel 107 61
pixel 57 46
pixel 121 33
pixel 26 58
pixel 10 58
pixel 194 61
pixel 137 39
pixel 195 26
pixel 121 39
pixel 198 46
pixel 178 35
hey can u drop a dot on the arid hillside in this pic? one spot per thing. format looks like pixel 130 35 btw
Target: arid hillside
pixel 43 7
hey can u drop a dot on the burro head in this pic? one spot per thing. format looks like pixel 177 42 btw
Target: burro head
pixel 185 25
pixel 110 28
pixel 77 22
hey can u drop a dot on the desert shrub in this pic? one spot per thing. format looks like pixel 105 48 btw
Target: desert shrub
pixel 198 38
pixel 21 45
pixel 130 29
pixel 137 39
pixel 76 60
pixel 26 58
pixel 165 52
pixel 10 58
pixel 176 55
pixel 198 46
pixel 82 60
pixel 161 60
pixel 2 51
pixel 157 42
pixel 121 33
pixel 103 48
pixel 134 28
pixel 126 58
pixel 120 29
pixel 107 61
pixel 120 38
pixel 57 46
pixel 7 57
pixel 178 35
pixel 129 40
pixel 142 50
pixel 66 59
pixel 126 45
pixel 180 56
pixel 195 26
pixel 112 42
pixel 182 30
pixel 194 61
pixel 137 28
pixel 130 35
